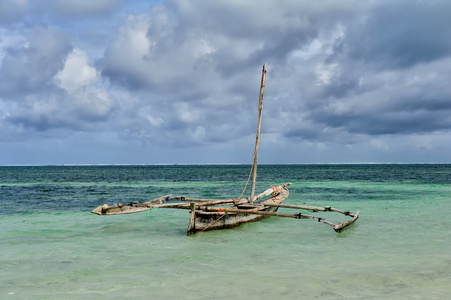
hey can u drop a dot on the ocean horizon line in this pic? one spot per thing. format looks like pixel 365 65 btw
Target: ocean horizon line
pixel 225 164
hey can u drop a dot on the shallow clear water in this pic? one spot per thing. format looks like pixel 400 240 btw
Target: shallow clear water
pixel 52 247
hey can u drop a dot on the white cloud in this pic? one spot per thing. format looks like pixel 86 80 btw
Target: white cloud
pixel 51 86
pixel 77 72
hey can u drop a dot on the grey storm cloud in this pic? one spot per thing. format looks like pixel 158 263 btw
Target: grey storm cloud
pixel 401 34
pixel 389 73
pixel 183 74
pixel 202 54
pixel 30 67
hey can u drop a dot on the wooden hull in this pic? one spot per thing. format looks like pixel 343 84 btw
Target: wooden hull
pixel 207 220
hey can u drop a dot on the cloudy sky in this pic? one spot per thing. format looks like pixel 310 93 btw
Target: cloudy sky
pixel 155 82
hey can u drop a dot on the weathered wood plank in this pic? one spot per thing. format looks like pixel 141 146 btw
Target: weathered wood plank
pixel 209 203
pixel 344 225
pixel 128 208
pixel 271 190
pixel 192 224
pixel 191 199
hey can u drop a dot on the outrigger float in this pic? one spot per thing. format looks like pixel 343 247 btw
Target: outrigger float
pixel 209 214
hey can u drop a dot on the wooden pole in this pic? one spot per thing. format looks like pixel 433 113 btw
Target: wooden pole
pixel 311 208
pixel 226 210
pixel 257 138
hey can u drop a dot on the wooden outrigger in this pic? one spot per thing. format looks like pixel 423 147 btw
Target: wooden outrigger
pixel 208 214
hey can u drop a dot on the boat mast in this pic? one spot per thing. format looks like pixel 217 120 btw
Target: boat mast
pixel 257 138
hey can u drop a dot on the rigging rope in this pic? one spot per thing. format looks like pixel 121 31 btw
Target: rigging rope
pixel 248 178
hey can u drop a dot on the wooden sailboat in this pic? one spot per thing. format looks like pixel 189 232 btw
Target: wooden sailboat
pixel 209 214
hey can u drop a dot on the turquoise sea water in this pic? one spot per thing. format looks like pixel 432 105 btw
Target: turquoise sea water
pixel 52 247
